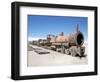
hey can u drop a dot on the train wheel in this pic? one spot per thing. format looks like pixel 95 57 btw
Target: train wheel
pixel 67 51
pixel 73 52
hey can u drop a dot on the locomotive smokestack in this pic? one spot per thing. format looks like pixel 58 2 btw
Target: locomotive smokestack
pixel 61 34
pixel 77 28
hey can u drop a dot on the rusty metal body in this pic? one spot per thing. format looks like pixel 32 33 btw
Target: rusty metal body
pixel 76 39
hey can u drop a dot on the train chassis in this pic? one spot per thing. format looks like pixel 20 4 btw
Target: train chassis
pixel 69 50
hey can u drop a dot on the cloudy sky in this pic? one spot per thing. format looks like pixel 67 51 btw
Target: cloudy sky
pixel 40 26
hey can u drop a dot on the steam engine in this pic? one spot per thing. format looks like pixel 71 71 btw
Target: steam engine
pixel 71 44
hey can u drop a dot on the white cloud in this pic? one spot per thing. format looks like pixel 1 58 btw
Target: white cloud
pixel 85 43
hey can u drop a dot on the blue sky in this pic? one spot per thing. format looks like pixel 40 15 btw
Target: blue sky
pixel 40 26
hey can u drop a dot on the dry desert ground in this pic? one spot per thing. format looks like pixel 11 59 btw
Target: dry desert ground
pixel 53 58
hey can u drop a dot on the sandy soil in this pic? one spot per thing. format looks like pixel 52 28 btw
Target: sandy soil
pixel 53 58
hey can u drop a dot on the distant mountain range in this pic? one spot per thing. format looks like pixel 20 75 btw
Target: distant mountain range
pixel 35 38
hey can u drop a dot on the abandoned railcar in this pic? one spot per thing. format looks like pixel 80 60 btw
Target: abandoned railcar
pixel 71 44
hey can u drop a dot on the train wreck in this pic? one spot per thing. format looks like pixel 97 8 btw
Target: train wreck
pixel 71 44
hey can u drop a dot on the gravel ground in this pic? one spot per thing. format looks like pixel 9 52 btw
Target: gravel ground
pixel 53 58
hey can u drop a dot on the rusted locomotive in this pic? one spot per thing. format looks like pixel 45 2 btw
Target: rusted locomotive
pixel 71 44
